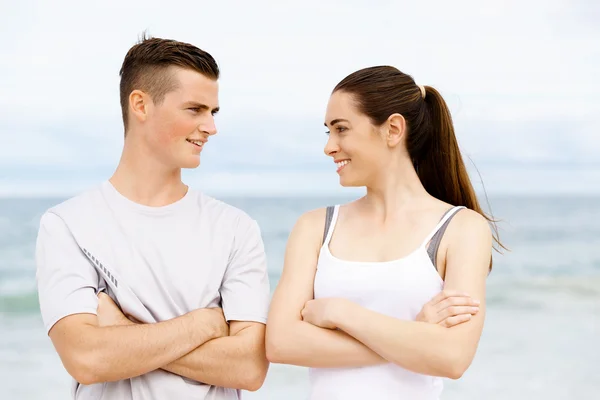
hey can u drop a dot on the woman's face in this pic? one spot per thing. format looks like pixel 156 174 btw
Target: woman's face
pixel 358 148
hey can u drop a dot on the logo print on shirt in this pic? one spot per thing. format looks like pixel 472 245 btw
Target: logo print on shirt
pixel 101 267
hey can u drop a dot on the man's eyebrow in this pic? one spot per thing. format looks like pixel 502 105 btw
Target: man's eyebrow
pixel 201 106
pixel 335 121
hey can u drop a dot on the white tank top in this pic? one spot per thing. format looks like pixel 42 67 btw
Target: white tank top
pixel 397 288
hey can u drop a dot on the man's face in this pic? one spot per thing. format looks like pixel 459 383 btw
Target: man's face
pixel 179 127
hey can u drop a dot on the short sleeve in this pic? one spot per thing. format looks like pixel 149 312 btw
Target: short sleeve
pixel 67 283
pixel 245 289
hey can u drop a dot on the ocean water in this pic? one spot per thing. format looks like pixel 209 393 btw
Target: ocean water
pixel 542 331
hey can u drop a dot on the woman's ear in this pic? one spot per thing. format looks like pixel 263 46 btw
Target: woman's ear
pixel 396 128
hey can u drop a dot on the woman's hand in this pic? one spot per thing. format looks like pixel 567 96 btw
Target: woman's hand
pixel 322 312
pixel 449 308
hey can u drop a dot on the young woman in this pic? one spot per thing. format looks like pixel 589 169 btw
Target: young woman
pixel 353 302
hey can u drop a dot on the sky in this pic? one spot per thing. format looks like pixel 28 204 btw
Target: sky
pixel 520 79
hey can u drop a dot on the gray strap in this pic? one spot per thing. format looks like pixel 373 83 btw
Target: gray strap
pixel 328 218
pixel 434 244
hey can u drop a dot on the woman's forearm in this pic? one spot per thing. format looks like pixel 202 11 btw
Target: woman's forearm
pixel 307 345
pixel 417 346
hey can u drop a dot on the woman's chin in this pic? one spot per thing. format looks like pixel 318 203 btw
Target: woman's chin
pixel 189 162
pixel 347 182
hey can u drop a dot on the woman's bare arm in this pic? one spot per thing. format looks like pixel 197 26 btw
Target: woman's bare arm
pixel 289 340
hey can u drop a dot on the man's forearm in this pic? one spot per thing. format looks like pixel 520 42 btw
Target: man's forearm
pixel 236 361
pixel 306 345
pixel 121 352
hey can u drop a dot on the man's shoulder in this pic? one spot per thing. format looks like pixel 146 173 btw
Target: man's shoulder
pixel 222 212
pixel 78 204
pixel 79 209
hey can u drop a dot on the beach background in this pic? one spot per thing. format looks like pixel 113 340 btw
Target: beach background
pixel 520 79
pixel 540 339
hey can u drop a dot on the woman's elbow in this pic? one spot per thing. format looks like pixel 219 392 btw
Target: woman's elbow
pixel 276 346
pixel 454 372
pixel 274 350
pixel 457 366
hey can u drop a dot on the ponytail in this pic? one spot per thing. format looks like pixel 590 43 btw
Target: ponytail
pixel 441 168
pixel 382 91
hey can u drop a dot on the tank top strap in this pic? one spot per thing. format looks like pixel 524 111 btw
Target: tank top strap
pixel 330 220
pixel 445 218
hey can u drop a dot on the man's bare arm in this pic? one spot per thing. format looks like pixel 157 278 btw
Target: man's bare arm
pixel 237 361
pixel 92 353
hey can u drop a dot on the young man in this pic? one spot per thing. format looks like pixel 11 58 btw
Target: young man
pixel 188 272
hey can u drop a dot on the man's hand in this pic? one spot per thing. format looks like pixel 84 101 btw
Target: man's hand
pixel 109 314
pixel 216 319
pixel 449 308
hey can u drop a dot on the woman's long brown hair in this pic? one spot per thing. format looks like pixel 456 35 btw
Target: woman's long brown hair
pixel 431 143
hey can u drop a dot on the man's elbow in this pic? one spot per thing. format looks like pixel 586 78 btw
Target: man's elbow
pixel 83 368
pixel 86 378
pixel 253 382
pixel 254 375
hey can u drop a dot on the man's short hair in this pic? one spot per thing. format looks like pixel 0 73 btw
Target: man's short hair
pixel 146 68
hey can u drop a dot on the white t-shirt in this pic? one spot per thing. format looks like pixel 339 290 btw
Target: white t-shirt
pixel 158 263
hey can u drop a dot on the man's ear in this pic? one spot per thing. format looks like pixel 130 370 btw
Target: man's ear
pixel 139 103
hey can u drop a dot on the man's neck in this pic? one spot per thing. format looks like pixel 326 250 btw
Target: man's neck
pixel 145 180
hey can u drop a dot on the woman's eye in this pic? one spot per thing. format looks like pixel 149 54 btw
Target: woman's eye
pixel 338 129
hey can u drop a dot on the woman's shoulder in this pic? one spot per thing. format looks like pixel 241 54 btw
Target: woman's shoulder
pixel 308 229
pixel 464 218
pixel 316 217
pixel 313 221
pixel 469 225
pixel 313 216
pixel 470 219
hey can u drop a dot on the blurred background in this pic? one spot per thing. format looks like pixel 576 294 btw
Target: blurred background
pixel 520 79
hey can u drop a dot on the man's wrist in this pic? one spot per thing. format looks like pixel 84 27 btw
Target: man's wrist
pixel 205 323
pixel 128 322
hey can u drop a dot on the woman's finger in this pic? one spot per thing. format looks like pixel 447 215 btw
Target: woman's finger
pixel 455 301
pixel 447 293
pixel 456 320
pixel 453 311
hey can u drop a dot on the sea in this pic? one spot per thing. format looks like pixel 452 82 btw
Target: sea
pixel 541 338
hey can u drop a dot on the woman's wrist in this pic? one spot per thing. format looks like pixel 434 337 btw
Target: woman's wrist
pixel 341 312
